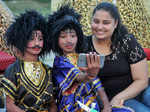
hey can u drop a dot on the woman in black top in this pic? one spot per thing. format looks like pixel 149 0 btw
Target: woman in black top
pixel 125 73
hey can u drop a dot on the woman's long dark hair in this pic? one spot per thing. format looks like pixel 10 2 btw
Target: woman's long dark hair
pixel 120 31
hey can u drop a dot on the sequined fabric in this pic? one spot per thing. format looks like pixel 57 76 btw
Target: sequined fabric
pixel 29 85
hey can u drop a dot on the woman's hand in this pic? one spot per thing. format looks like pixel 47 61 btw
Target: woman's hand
pixel 116 101
pixel 139 83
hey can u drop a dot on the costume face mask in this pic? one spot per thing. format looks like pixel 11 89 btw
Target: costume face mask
pixel 35 44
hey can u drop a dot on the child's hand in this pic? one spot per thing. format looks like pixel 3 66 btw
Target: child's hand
pixel 103 97
pixel 93 62
pixel 53 106
pixel 107 108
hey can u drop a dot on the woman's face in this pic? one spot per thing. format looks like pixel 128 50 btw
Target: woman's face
pixel 67 41
pixel 103 25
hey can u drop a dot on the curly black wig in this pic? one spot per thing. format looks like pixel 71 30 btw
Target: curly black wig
pixel 64 18
pixel 20 31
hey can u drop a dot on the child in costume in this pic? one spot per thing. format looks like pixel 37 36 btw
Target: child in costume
pixel 27 82
pixel 73 85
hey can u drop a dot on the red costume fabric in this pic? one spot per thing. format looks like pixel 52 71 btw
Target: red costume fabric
pixel 5 60
pixel 147 51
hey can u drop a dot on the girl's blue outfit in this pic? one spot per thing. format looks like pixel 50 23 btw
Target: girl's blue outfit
pixel 69 90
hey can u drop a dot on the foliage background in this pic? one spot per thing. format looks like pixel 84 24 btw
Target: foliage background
pixel 138 21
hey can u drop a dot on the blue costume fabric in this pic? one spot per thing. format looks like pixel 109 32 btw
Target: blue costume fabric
pixel 70 90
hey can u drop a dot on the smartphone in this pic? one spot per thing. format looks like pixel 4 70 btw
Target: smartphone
pixel 82 62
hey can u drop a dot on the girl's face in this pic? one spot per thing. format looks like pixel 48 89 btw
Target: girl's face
pixel 35 45
pixel 67 41
pixel 103 25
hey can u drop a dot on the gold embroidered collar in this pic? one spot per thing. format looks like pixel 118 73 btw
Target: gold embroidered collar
pixel 73 57
pixel 35 72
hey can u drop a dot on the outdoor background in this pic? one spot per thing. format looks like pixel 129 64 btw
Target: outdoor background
pixel 46 7
pixel 18 6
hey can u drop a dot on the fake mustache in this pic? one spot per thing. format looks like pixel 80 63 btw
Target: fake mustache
pixel 68 44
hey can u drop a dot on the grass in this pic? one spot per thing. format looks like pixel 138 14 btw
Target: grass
pixel 19 6
pixel 42 1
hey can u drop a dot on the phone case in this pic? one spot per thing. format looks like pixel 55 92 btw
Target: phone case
pixel 83 63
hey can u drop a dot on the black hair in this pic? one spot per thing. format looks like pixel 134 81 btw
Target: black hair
pixel 20 31
pixel 120 31
pixel 64 18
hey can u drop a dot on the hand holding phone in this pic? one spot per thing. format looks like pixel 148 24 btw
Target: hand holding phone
pixel 82 60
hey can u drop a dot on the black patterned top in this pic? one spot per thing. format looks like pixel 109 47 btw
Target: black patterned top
pixel 29 85
pixel 116 73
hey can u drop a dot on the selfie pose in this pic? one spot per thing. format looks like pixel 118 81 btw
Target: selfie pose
pixel 75 88
pixel 125 72
pixel 27 82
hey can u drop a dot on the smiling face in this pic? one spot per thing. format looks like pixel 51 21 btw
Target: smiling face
pixel 35 45
pixel 67 41
pixel 103 25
